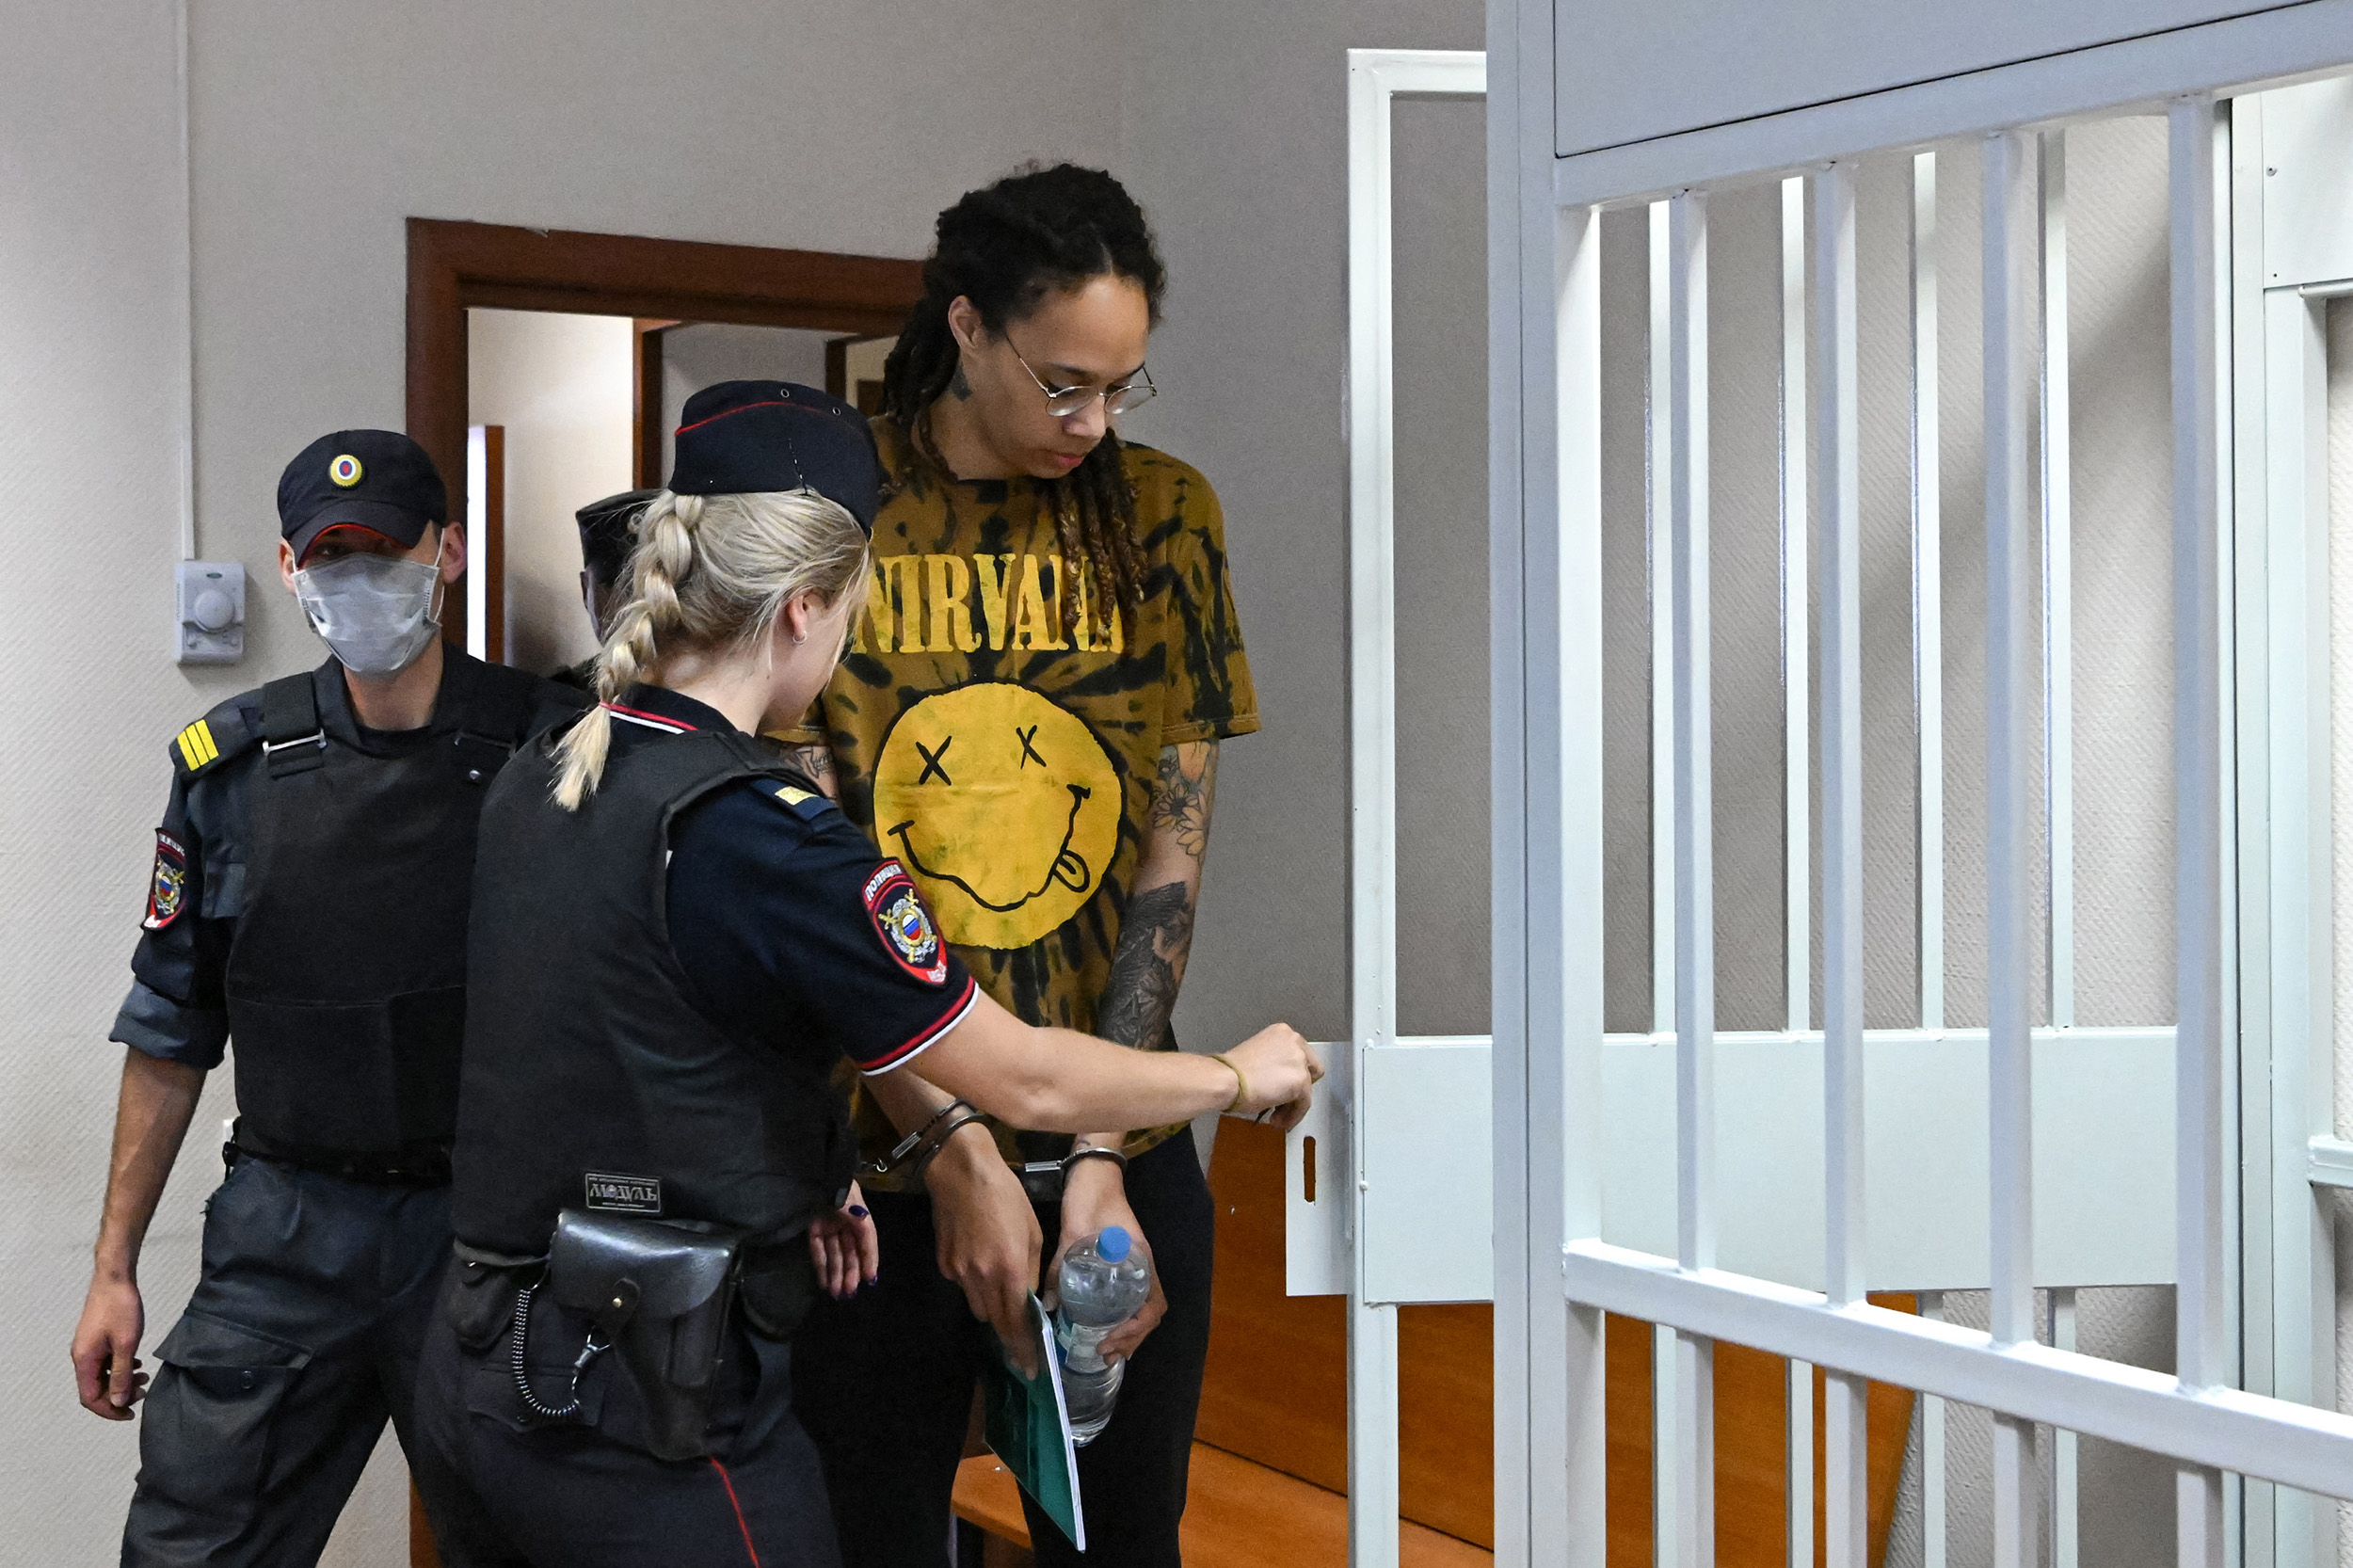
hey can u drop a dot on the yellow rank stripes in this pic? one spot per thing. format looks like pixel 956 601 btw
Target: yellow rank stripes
pixel 196 746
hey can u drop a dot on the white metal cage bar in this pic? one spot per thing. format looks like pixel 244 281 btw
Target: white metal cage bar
pixel 2066 1541
pixel 1928 595
pixel 1928 706
pixel 1797 733
pixel 2201 1357
pixel 2058 593
pixel 1932 1475
pixel 1659 413
pixel 2012 342
pixel 1838 470
pixel 1693 1390
pixel 1374 78
pixel 1797 783
pixel 2292 474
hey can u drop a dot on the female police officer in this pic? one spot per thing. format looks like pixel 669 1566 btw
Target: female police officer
pixel 675 940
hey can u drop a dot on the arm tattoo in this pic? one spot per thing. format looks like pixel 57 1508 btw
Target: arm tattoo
pixel 1146 967
pixel 1183 789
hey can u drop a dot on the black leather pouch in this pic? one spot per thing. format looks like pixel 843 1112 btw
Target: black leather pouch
pixel 480 1301
pixel 663 1290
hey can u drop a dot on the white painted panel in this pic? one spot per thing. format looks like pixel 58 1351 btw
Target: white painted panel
pixel 2103 1122
pixel 2103 1151
pixel 2308 202
pixel 1632 70
pixel 1427 1116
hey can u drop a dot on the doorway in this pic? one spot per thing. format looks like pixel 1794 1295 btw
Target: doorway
pixel 564 408
pixel 552 305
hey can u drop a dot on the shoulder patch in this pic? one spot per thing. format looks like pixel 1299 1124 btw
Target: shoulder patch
pixel 166 889
pixel 196 745
pixel 904 926
pixel 804 804
pixel 223 732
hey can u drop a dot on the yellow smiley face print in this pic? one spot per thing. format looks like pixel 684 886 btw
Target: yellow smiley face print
pixel 1004 805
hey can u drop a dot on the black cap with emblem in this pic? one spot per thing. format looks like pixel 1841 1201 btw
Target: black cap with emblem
pixel 740 437
pixel 379 480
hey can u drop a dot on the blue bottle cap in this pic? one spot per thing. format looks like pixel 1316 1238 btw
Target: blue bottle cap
pixel 1114 1244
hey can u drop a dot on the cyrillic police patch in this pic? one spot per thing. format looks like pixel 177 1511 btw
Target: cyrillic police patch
pixel 167 890
pixel 611 1192
pixel 904 926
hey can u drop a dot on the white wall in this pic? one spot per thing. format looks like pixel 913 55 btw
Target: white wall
pixel 87 463
pixel 1235 125
pixel 319 126
pixel 561 385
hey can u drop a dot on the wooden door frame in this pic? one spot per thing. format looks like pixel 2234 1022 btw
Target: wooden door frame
pixel 454 267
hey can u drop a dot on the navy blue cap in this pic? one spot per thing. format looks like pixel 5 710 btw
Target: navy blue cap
pixel 742 438
pixel 608 531
pixel 375 479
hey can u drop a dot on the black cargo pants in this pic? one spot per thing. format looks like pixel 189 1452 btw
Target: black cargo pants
pixel 302 1338
pixel 509 1490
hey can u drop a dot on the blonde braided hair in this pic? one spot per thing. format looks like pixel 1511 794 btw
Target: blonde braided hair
pixel 711 574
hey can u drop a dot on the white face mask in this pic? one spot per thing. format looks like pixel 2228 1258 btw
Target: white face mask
pixel 376 612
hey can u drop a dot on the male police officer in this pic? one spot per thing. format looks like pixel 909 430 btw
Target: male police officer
pixel 308 903
pixel 608 531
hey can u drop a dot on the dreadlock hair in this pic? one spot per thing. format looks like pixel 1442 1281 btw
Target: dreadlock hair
pixel 1005 248
pixel 711 574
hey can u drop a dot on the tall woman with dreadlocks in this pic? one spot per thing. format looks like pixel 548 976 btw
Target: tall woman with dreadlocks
pixel 1029 719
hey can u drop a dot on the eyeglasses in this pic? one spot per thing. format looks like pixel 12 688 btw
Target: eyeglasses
pixel 1063 402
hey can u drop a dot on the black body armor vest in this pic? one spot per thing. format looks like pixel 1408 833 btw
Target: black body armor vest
pixel 592 1080
pixel 347 979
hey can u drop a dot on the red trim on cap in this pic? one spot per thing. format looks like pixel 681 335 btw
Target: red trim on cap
pixel 748 407
pixel 333 528
pixel 929 1035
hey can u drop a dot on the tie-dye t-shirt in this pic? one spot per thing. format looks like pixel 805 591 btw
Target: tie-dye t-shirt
pixel 1003 749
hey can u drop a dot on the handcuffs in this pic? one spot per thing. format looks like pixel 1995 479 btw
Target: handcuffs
pixel 1042 1179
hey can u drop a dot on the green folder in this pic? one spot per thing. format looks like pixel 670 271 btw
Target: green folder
pixel 1027 1427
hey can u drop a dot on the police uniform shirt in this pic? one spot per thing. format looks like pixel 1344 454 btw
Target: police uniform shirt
pixel 793 933
pixel 177 1009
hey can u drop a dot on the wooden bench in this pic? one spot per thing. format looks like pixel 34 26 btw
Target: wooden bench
pixel 1269 1464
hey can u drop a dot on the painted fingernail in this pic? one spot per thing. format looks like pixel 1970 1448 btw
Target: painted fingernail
pixel 858 1211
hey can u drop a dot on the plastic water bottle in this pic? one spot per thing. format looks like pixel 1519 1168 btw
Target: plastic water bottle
pixel 1104 1283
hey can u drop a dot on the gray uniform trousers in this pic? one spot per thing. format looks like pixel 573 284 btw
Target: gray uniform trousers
pixel 302 1338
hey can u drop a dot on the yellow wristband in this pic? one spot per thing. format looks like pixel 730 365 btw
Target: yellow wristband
pixel 1241 1084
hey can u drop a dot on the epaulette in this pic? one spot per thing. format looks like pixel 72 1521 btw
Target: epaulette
pixel 225 731
pixel 807 805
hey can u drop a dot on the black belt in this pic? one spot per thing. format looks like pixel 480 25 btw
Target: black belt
pixel 422 1165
